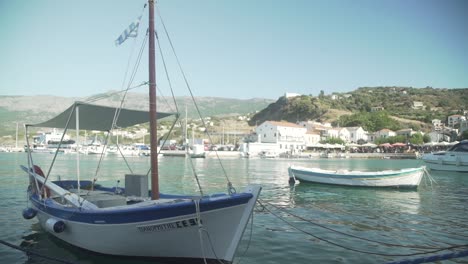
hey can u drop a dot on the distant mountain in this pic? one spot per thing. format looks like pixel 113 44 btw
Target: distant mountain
pixel 415 107
pixel 34 109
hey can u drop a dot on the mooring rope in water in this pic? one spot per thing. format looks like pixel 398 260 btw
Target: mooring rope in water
pixel 459 254
pixel 250 239
pixel 350 235
pixel 431 179
pixel 353 249
pixel 33 253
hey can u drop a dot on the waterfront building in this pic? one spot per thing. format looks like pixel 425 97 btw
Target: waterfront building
pixel 384 133
pixel 311 138
pixel 356 134
pixel 287 136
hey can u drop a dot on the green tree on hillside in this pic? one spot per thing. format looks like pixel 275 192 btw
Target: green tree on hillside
pixel 333 140
pixel 373 121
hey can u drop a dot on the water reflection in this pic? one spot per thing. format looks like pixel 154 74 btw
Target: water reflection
pixel 433 215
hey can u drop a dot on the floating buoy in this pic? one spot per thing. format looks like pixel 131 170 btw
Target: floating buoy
pixel 57 226
pixel 29 213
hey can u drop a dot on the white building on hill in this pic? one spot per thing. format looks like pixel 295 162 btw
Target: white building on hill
pixel 455 119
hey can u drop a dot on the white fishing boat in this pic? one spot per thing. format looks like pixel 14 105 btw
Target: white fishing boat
pixel 125 221
pixel 404 178
pixel 454 159
pixel 197 151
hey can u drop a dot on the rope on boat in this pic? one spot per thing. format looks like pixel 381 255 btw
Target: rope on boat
pixel 200 233
pixel 434 250
pixel 33 253
pixel 434 258
pixel 200 227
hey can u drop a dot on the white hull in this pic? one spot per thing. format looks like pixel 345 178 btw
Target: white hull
pixel 447 161
pixel 179 236
pixel 409 178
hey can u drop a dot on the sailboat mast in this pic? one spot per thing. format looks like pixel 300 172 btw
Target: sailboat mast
pixel 152 105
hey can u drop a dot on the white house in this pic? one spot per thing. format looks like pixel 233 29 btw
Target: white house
pixel 288 136
pixel 312 125
pixel 336 132
pixel 385 133
pixel 312 137
pixel 418 105
pixel 356 134
pixel 408 132
pixel 333 132
pixel 290 95
pixel 437 124
pixel 455 119
pixel 377 108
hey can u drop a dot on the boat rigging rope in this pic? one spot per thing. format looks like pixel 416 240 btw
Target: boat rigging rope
pixel 192 166
pixel 166 72
pixel 230 187
pixel 117 110
pixel 358 250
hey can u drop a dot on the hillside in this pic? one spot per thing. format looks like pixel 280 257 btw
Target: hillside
pixel 34 109
pixel 396 102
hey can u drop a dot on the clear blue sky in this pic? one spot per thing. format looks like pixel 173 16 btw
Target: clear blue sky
pixel 238 49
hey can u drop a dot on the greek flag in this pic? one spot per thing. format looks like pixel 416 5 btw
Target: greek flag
pixel 131 31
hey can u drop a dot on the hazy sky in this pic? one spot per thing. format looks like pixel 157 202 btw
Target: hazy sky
pixel 239 49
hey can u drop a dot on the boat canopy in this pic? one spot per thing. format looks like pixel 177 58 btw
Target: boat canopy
pixel 98 117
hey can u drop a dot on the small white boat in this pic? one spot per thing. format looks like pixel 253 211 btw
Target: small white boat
pixel 454 159
pixel 404 178
pixel 268 155
pixel 198 151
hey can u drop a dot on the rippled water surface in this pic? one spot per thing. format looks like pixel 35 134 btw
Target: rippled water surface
pixel 304 223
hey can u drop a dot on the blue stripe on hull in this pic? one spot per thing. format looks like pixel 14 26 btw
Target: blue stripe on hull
pixel 138 214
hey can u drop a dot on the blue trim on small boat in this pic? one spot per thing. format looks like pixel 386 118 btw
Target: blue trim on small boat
pixel 353 176
pixel 137 214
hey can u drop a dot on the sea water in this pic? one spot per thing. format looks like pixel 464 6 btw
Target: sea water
pixel 301 223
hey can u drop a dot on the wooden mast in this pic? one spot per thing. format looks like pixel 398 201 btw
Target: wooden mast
pixel 152 105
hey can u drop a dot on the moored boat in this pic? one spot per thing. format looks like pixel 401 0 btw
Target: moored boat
pixel 126 221
pixel 404 178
